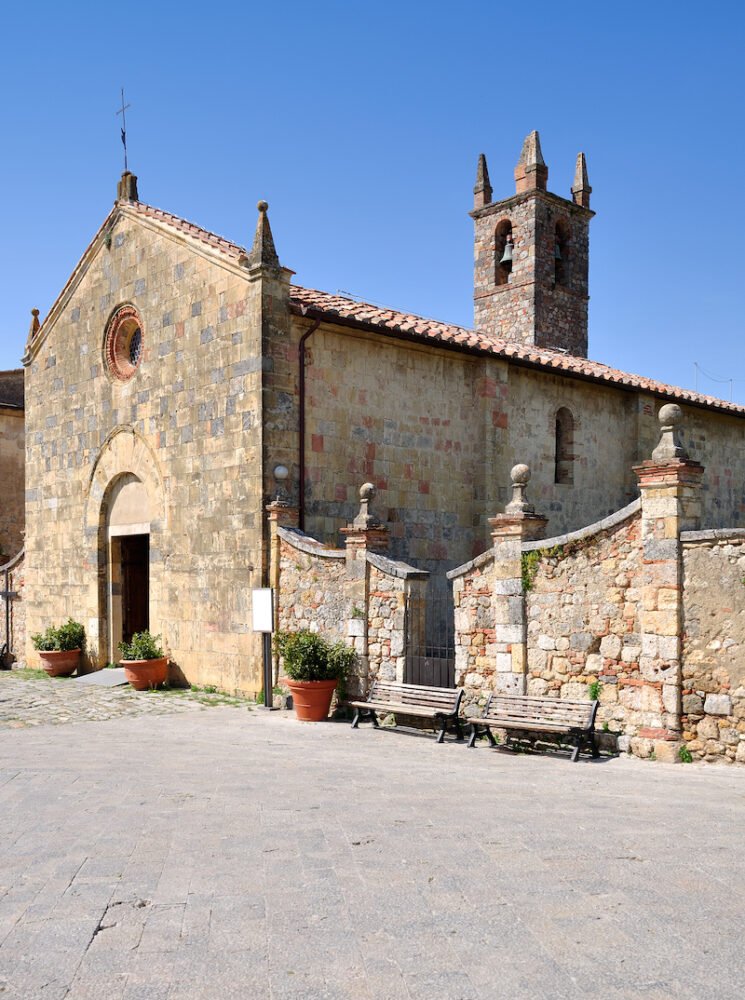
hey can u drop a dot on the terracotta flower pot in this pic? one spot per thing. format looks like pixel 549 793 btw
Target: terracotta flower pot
pixel 59 662
pixel 144 674
pixel 311 699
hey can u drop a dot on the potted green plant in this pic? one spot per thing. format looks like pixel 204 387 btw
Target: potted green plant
pixel 145 664
pixel 60 648
pixel 314 668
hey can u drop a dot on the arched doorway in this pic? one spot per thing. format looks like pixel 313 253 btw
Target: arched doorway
pixel 128 560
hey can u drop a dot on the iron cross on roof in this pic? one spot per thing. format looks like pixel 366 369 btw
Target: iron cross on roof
pixel 121 111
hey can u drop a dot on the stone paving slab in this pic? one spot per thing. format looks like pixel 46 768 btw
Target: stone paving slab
pixel 61 700
pixel 220 853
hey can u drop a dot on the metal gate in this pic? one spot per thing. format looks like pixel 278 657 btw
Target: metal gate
pixel 430 639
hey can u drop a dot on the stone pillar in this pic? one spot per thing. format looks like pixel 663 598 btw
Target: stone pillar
pixel 669 484
pixel 518 524
pixel 365 534
pixel 281 514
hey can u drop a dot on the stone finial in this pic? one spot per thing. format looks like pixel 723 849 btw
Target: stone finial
pixel 520 476
pixel 35 325
pixel 365 519
pixel 482 192
pixel 263 252
pixel 669 447
pixel 531 172
pixel 126 189
pixel 581 189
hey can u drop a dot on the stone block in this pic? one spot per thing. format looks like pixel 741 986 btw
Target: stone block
pixel 667 751
pixel 581 641
pixel 708 729
pixel 692 704
pixel 594 663
pixel 610 647
pixel 718 704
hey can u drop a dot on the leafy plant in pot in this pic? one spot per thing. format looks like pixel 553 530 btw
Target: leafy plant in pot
pixel 314 668
pixel 145 664
pixel 60 648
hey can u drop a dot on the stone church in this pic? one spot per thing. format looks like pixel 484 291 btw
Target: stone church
pixel 180 381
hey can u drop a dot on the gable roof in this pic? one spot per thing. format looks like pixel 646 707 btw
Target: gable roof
pixel 335 308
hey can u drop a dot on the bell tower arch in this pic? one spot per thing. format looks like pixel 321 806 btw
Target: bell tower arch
pixel 532 288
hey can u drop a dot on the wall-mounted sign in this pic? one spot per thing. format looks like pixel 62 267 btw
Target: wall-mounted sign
pixel 262 610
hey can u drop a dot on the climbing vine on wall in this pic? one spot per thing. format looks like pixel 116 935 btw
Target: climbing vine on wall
pixel 530 560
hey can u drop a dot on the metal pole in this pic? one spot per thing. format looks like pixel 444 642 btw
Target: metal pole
pixel 268 678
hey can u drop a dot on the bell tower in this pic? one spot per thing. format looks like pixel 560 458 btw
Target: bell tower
pixel 531 256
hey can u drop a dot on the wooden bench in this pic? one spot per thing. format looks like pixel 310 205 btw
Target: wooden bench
pixel 439 704
pixel 525 714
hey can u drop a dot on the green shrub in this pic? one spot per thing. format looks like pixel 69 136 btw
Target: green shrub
pixel 593 689
pixel 307 656
pixel 69 636
pixel 143 646
pixel 685 755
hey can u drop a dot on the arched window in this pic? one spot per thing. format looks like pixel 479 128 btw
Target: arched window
pixel 503 249
pixel 561 253
pixel 564 454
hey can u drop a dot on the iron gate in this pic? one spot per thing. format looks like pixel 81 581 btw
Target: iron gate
pixel 430 638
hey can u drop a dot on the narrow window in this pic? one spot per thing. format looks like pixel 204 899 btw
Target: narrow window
pixel 564 455
pixel 561 254
pixel 503 250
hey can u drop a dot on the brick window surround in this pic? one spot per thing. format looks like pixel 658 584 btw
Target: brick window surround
pixel 123 345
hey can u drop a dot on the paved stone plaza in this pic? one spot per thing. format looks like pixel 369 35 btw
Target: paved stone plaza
pixel 223 852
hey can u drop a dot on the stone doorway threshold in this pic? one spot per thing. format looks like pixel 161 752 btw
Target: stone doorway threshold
pixel 109 677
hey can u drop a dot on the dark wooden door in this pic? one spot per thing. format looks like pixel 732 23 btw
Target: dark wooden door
pixel 135 584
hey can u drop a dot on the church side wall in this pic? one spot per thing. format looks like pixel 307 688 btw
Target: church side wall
pixel 195 402
pixel 413 422
pixel 603 447
pixel 12 474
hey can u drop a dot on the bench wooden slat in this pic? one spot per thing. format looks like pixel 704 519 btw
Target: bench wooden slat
pixel 440 704
pixel 531 714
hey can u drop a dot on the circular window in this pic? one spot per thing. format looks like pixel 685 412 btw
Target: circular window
pixel 123 348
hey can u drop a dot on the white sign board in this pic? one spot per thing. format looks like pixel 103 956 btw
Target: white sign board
pixel 262 610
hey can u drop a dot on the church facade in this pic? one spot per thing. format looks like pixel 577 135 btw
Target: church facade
pixel 180 381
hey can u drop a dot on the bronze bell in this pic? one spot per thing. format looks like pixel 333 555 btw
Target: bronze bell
pixel 557 251
pixel 507 255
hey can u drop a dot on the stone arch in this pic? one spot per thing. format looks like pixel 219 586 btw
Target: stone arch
pixel 502 236
pixel 125 451
pixel 564 447
pixel 125 477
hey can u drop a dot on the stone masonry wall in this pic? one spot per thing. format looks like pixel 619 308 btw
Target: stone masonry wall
pixel 16 655
pixel 311 590
pixel 386 620
pixel 475 652
pixel 12 475
pixel 714 645
pixel 583 622
pixel 353 595
pixel 193 409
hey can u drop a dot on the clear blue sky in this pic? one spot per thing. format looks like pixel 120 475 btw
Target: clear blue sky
pixel 361 123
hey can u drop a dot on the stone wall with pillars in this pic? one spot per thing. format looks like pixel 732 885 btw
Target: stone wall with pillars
pixel 582 608
pixel 355 594
pixel 641 605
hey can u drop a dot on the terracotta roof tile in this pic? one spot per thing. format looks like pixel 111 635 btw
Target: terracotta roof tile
pixel 340 308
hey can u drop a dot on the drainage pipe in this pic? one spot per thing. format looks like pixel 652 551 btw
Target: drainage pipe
pixel 301 421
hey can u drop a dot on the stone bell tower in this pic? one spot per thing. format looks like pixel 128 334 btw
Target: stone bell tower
pixel 531 256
